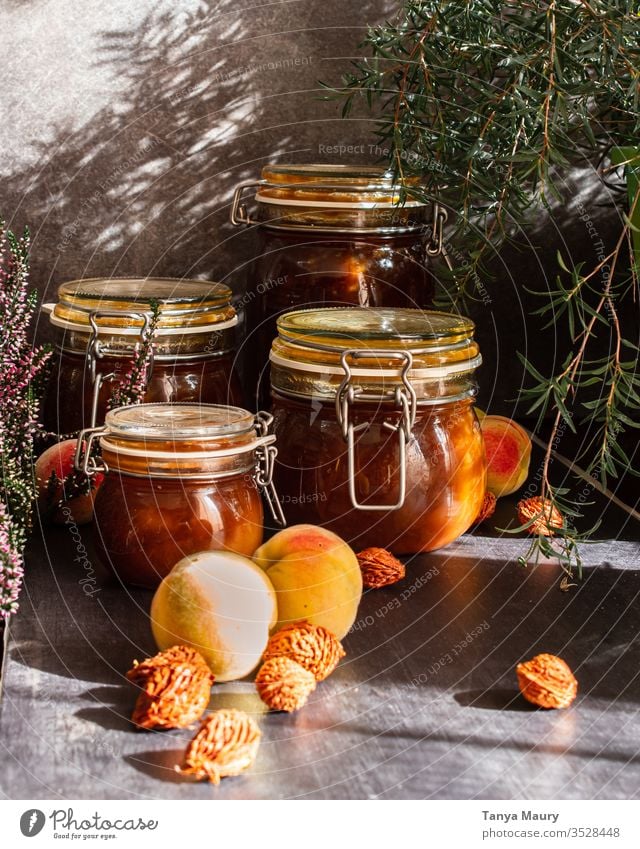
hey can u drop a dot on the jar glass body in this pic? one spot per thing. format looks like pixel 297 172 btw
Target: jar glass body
pixel 99 325
pixel 178 479
pixel 445 473
pixel 200 378
pixel 300 269
pixel 144 526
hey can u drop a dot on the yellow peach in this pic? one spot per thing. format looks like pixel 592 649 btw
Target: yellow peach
pixel 316 577
pixel 220 604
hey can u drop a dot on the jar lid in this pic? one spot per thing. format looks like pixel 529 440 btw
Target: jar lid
pixel 118 304
pixel 182 440
pixel 317 349
pixel 329 186
pixel 338 328
pixel 178 422
pixel 319 172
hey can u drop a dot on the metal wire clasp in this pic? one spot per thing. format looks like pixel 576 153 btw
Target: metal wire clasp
pixel 240 215
pixel 96 350
pixel 436 242
pixel 83 461
pixel 266 454
pixel 404 398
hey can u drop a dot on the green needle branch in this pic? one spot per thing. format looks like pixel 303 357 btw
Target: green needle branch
pixel 490 104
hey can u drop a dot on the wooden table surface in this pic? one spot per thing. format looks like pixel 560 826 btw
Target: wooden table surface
pixel 425 705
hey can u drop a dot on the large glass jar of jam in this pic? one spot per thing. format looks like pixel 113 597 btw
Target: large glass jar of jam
pixel 98 323
pixel 373 412
pixel 178 479
pixel 332 235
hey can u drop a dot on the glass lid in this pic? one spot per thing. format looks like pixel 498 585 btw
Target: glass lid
pixel 372 342
pixel 339 329
pixel 114 302
pixel 318 173
pixel 329 184
pixel 177 422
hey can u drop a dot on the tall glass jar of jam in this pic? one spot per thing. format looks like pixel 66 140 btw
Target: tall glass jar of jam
pixel 332 235
pixel 178 479
pixel 373 412
pixel 98 323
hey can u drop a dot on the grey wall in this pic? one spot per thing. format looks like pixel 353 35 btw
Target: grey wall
pixel 126 124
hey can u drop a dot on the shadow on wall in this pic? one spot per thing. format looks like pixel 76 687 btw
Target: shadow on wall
pixel 206 97
pixel 196 97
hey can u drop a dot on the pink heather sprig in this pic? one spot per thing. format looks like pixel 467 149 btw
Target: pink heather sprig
pixel 11 567
pixel 133 385
pixel 22 368
pixel 130 389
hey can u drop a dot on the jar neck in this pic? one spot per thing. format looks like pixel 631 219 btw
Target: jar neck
pixel 194 467
pixel 325 385
pixel 335 236
pixel 390 221
pixel 206 457
pixel 183 346
pixel 385 407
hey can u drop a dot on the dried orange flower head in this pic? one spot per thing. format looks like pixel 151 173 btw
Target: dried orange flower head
pixel 226 744
pixel 544 517
pixel 283 684
pixel 487 509
pixel 312 646
pixel 176 687
pixel 379 568
pixel 547 681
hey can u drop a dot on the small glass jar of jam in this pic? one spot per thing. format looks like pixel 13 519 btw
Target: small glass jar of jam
pixel 178 479
pixel 373 413
pixel 333 235
pixel 98 323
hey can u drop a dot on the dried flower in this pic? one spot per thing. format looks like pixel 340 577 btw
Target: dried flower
pixel 547 681
pixel 379 568
pixel 487 508
pixel 283 684
pixel 176 686
pixel 312 646
pixel 540 516
pixel 226 744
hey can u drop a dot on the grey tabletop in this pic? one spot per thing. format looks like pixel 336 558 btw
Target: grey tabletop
pixel 425 705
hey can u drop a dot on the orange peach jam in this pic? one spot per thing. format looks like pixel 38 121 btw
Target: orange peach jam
pixel 373 413
pixel 179 478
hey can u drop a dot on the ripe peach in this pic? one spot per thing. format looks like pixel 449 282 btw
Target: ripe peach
pixel 316 577
pixel 58 459
pixel 508 451
pixel 219 603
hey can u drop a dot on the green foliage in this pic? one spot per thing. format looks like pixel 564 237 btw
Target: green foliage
pixel 481 99
pixel 489 104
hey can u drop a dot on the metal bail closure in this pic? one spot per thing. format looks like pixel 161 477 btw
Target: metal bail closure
pixel 266 454
pixel 95 351
pixel 240 215
pixel 404 398
pixel 83 460
pixel 436 242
